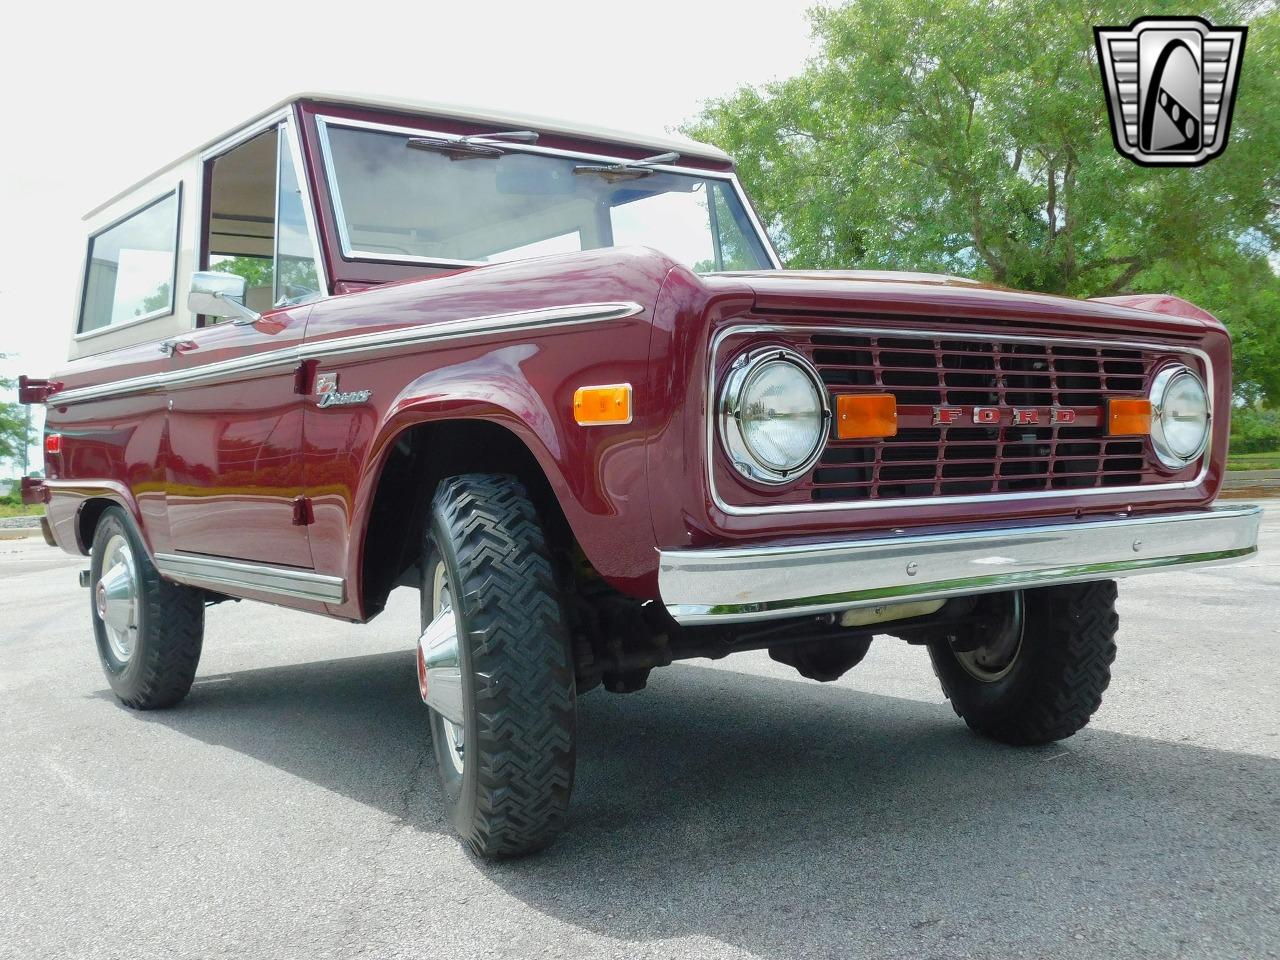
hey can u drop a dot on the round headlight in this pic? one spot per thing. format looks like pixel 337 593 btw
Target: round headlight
pixel 773 415
pixel 1180 416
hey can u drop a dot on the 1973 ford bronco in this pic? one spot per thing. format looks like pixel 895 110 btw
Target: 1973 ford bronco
pixel 556 378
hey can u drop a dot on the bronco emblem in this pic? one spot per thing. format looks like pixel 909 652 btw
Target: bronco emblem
pixel 1170 84
pixel 330 396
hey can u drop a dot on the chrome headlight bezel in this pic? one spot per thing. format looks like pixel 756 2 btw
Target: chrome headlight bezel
pixel 743 372
pixel 1160 386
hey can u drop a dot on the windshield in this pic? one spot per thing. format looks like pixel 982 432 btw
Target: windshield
pixel 397 201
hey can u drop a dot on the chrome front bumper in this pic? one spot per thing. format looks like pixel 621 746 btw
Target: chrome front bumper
pixel 762 583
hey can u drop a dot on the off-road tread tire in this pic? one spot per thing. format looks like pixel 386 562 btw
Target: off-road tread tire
pixel 171 630
pixel 522 741
pixel 1068 648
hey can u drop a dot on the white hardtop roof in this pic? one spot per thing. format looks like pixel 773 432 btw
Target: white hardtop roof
pixel 502 118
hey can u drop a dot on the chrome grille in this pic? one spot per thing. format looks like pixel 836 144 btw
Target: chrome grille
pixel 926 459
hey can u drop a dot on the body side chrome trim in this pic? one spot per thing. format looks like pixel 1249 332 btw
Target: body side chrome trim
pixel 770 582
pixel 541 318
pixel 538 319
pixel 872 505
pixel 159 381
pixel 218 574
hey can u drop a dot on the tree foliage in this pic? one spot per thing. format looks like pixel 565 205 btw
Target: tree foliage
pixel 255 270
pixel 971 136
pixel 15 434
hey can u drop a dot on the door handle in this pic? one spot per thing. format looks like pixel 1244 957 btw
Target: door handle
pixel 171 348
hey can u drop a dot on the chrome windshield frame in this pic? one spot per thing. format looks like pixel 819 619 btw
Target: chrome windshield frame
pixel 348 252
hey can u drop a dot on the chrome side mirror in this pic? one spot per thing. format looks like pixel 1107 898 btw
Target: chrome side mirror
pixel 220 295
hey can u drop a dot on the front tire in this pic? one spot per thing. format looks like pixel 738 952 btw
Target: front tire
pixel 1040 676
pixel 149 632
pixel 507 768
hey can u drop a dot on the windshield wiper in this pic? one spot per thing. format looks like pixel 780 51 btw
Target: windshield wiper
pixel 474 146
pixel 627 169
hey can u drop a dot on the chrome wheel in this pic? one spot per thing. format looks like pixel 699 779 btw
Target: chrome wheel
pixel 115 598
pixel 440 670
pixel 993 660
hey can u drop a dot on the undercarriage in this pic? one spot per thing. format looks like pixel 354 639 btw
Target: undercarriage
pixel 618 641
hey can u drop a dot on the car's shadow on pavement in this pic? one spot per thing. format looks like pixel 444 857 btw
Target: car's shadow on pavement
pixel 746 809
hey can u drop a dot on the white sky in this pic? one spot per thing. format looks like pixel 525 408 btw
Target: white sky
pixel 98 95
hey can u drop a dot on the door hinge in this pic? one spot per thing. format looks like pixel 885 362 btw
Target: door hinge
pixel 34 491
pixel 304 377
pixel 303 514
pixel 31 390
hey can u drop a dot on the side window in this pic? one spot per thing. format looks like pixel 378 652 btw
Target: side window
pixel 130 270
pixel 240 229
pixel 257 226
pixel 296 275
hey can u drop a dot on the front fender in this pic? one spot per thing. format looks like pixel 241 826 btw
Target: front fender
pixel 1164 303
pixel 523 383
pixel 456 359
pixel 596 473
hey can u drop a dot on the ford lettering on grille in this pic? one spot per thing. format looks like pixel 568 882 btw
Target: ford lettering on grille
pixel 1021 416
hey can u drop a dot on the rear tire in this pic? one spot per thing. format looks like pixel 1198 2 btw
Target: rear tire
pixel 507 769
pixel 1044 683
pixel 149 632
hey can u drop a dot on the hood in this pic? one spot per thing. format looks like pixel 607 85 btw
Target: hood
pixel 882 293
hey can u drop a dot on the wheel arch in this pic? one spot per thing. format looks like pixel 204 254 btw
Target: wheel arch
pixel 507 408
pixel 87 519
pixel 75 511
pixel 418 456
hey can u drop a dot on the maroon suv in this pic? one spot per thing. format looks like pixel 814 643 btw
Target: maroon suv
pixel 556 378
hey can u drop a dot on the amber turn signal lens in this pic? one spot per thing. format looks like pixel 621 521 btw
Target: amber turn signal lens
pixel 862 416
pixel 593 406
pixel 1129 417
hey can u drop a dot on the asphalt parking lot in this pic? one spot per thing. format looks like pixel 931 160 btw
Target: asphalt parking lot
pixel 289 807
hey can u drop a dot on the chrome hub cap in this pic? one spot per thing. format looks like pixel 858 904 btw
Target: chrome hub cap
pixel 115 598
pixel 440 670
pixel 993 660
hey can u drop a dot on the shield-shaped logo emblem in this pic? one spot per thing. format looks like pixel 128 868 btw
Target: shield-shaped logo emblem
pixel 1171 84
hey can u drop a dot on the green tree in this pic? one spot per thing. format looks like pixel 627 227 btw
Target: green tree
pixel 255 270
pixel 971 136
pixel 15 432
pixel 161 298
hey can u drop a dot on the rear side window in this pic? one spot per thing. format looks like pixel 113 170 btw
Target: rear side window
pixel 131 271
